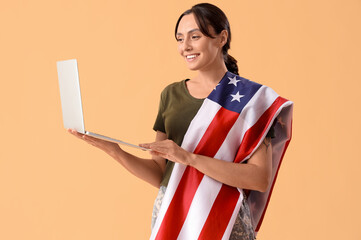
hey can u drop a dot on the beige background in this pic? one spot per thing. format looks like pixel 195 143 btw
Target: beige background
pixel 53 186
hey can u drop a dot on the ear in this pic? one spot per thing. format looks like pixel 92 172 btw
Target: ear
pixel 223 36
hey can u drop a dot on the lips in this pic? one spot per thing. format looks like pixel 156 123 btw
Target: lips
pixel 191 57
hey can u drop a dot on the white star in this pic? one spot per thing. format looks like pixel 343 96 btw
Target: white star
pixel 236 97
pixel 216 86
pixel 233 81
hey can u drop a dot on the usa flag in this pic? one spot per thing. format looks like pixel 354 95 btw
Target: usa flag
pixel 230 125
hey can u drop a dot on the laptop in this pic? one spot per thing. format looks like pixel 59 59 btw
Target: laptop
pixel 71 104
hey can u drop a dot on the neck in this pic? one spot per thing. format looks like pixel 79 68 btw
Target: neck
pixel 212 75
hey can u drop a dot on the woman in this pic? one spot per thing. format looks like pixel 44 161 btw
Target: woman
pixel 203 35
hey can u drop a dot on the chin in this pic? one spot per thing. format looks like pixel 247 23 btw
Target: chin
pixel 194 67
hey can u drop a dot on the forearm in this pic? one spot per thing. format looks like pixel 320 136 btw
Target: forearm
pixel 244 176
pixel 254 175
pixel 150 170
pixel 145 169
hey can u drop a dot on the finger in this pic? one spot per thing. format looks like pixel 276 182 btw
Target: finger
pixel 88 138
pixel 92 140
pixel 160 147
pixel 146 145
pixel 98 142
pixel 75 133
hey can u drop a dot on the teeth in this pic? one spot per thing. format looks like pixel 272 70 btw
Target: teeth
pixel 191 56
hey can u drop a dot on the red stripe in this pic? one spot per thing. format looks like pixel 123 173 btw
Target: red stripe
pixel 179 206
pixel 216 132
pixel 269 196
pixel 254 134
pixel 251 138
pixel 222 209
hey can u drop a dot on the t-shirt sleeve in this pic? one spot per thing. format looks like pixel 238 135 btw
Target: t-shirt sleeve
pixel 159 121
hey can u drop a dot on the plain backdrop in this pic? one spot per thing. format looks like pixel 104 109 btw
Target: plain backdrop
pixel 54 186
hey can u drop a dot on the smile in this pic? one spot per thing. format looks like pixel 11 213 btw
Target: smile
pixel 191 57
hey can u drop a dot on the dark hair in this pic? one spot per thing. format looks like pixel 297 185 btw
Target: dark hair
pixel 209 15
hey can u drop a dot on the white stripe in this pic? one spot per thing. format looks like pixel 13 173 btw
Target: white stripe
pixel 258 104
pixel 255 108
pixel 199 124
pixel 201 206
pixel 227 151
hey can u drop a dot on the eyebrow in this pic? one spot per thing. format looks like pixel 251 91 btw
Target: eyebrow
pixel 190 31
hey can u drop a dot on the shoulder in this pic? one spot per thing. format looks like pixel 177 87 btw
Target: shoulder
pixel 173 88
pixel 249 84
pixel 257 88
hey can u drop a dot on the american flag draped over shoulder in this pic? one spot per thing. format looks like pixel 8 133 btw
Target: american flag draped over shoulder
pixel 230 125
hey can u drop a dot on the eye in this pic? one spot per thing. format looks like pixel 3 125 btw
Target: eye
pixel 195 37
pixel 179 39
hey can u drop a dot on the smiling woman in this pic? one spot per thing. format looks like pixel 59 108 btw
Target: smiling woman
pixel 213 158
pixel 200 51
pixel 211 23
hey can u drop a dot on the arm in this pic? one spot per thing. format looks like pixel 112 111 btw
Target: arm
pixel 254 175
pixel 149 170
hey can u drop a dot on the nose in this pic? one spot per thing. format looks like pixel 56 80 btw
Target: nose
pixel 187 46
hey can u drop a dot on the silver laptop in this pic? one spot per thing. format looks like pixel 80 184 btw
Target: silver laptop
pixel 71 101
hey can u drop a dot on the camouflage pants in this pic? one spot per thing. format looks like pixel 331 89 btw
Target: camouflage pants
pixel 242 229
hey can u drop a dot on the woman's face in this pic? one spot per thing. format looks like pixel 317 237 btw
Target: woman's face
pixel 199 51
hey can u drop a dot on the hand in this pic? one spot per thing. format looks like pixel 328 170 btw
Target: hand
pixel 169 150
pixel 106 146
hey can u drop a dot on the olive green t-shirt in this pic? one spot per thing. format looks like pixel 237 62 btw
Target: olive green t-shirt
pixel 177 108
